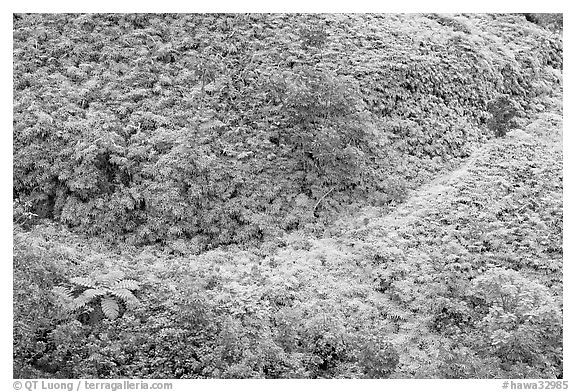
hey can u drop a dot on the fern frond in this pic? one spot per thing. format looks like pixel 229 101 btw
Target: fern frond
pixel 63 295
pixel 111 278
pixel 81 301
pixel 93 293
pixel 125 295
pixel 393 312
pixel 110 307
pixel 83 281
pixel 128 284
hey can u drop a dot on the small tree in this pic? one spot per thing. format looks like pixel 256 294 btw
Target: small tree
pixel 503 110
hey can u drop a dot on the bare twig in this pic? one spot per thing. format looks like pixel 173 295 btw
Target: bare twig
pixel 322 198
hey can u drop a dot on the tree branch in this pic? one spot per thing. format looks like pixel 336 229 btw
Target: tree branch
pixel 322 198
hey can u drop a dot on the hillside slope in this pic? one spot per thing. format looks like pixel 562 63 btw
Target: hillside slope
pixel 416 292
pixel 229 129
pixel 500 217
pixel 439 256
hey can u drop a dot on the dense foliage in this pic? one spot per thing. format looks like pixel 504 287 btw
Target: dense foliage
pixel 238 196
pixel 230 128
pixel 464 280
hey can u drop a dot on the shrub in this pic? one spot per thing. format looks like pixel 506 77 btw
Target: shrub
pixel 549 21
pixel 522 323
pixel 503 110
pixel 378 359
pixel 37 269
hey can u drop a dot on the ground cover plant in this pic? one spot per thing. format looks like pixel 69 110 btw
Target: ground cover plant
pixel 287 196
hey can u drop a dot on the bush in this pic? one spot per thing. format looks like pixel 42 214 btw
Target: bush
pixel 522 323
pixel 503 111
pixel 549 21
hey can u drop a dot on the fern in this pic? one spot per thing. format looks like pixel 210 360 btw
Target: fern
pixel 393 312
pixel 94 293
pixel 111 278
pixel 128 284
pixel 84 282
pixel 125 295
pixel 109 290
pixel 63 295
pixel 81 301
pixel 110 307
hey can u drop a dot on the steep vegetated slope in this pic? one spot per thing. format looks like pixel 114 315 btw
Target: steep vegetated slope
pixel 231 128
pixel 470 268
pixel 463 278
